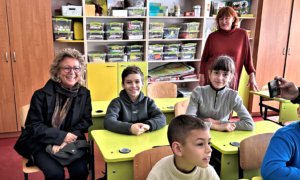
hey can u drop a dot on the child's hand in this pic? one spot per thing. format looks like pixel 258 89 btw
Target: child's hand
pixel 212 121
pixel 298 111
pixel 137 129
pixel 146 127
pixel 228 127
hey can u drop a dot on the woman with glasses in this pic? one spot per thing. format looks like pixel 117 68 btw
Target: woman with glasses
pixel 59 114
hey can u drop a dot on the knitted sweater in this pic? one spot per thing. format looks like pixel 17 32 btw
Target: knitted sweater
pixel 234 43
pixel 206 102
pixel 165 169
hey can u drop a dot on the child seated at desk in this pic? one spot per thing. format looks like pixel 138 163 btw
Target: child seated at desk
pixel 282 158
pixel 132 112
pixel 189 139
pixel 213 103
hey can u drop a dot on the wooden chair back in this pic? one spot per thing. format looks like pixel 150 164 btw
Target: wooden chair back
pixel 23 114
pixel 180 107
pixel 162 90
pixel 144 161
pixel 253 149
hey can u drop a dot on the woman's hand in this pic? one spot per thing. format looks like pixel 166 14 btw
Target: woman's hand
pixel 202 80
pixel 288 90
pixel 212 121
pixel 56 148
pixel 137 128
pixel 253 83
pixel 70 138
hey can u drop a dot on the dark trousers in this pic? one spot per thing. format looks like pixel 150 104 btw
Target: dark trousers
pixel 53 170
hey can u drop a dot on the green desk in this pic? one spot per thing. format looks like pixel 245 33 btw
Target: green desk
pixel 229 154
pixel 287 110
pixel 120 166
pixel 161 103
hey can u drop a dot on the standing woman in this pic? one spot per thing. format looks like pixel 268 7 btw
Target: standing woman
pixel 231 41
pixel 59 114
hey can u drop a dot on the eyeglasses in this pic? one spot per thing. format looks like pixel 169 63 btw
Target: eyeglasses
pixel 68 69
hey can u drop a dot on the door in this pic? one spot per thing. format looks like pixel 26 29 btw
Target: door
pixel 102 81
pixel 122 66
pixel 292 67
pixel 31 42
pixel 8 121
pixel 274 30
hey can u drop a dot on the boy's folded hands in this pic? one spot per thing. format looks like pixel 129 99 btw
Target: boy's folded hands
pixel 139 128
pixel 228 127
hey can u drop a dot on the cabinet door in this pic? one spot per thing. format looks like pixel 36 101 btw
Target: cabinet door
pixel 8 121
pixel 141 65
pixel 102 81
pixel 30 33
pixel 292 68
pixel 274 31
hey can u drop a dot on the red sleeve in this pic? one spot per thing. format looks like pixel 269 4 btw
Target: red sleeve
pixel 248 63
pixel 204 56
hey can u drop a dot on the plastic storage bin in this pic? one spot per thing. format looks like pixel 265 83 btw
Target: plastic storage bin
pixel 171 47
pixel 136 11
pixel 114 26
pixel 187 55
pixel 116 49
pixel 135 56
pixel 95 26
pixel 97 57
pixel 188 47
pixel 61 24
pixel 190 26
pixel 171 33
pixel 173 55
pixel 134 34
pixel 157 26
pixel 156 34
pixel 155 48
pixel 136 3
pixel 155 56
pixel 94 35
pixel 134 25
pixel 115 57
pixel 114 35
pixel 135 48
pixel 63 35
pixel 191 34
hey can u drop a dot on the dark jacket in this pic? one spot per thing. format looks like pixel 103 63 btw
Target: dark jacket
pixel 39 132
pixel 122 113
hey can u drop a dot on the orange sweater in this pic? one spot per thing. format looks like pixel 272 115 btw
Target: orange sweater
pixel 234 43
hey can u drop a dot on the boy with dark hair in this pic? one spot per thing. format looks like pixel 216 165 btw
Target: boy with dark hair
pixel 132 112
pixel 189 139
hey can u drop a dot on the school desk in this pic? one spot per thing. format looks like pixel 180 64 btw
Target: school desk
pixel 287 110
pixel 99 111
pixel 229 154
pixel 120 166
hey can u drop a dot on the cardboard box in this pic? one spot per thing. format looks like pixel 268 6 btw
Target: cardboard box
pixel 90 10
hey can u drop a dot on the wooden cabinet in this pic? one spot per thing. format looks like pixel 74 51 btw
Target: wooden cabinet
pixel 102 81
pixel 277 44
pixel 122 66
pixel 26 51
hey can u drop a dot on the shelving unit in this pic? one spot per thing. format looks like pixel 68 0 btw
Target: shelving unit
pixel 186 5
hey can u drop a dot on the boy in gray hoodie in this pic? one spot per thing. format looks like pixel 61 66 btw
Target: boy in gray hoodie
pixel 132 112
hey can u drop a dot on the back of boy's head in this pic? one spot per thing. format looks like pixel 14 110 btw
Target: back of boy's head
pixel 132 70
pixel 224 63
pixel 181 126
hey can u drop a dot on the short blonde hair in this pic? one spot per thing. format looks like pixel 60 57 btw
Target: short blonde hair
pixel 72 53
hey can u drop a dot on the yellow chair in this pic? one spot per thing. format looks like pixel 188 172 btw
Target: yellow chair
pixel 180 107
pixel 162 90
pixel 252 151
pixel 144 161
pixel 31 169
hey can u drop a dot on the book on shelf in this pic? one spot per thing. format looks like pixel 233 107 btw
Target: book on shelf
pixel 241 6
pixel 246 15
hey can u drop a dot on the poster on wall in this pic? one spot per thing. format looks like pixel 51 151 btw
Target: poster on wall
pixel 241 6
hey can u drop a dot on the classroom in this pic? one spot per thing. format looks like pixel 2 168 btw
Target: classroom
pixel 149 89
